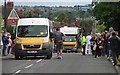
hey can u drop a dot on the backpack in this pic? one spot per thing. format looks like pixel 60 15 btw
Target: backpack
pixel 58 37
pixel 79 40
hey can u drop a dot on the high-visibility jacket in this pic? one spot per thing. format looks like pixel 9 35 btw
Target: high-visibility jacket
pixel 83 40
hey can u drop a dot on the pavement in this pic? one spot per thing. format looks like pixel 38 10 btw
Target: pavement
pixel 71 63
pixel 0 64
pixel 117 67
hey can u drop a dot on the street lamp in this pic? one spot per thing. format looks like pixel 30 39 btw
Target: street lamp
pixel 94 22
pixel 5 18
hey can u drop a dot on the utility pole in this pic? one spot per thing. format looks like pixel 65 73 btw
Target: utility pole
pixel 5 18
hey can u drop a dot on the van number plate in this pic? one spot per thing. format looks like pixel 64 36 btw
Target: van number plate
pixel 31 51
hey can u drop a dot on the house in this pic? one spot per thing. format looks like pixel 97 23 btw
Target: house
pixel 11 15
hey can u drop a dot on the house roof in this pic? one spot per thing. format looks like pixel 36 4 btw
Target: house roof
pixel 10 13
pixel 13 14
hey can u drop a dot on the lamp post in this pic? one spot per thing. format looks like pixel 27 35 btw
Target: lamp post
pixel 5 18
pixel 94 23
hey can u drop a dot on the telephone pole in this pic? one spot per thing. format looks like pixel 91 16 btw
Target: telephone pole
pixel 5 18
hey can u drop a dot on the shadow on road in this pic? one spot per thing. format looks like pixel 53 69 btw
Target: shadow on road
pixel 25 58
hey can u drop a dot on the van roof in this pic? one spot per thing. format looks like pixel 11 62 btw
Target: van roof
pixel 33 21
pixel 69 30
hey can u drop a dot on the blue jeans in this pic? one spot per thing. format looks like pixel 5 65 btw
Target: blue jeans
pixel 109 53
pixel 5 50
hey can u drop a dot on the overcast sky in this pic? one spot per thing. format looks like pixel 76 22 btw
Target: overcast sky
pixel 54 2
pixel 50 2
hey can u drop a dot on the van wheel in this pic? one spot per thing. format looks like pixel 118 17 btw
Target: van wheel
pixel 49 56
pixel 16 57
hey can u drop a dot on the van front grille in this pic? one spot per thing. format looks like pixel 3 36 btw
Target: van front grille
pixel 69 45
pixel 31 46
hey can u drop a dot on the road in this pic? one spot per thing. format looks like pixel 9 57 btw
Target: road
pixel 71 63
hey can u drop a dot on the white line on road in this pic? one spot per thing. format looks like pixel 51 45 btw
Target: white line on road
pixel 18 71
pixel 29 66
pixel 38 60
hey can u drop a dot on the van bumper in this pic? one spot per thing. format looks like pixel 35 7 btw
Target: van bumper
pixel 32 52
pixel 71 49
pixel 19 52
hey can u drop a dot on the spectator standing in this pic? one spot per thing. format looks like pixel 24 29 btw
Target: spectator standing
pixel 93 44
pixel 103 44
pixel 106 42
pixel 114 45
pixel 79 47
pixel 88 44
pixel 5 44
pixel 109 54
pixel 83 42
pixel 1 43
pixel 99 47
pixel 10 43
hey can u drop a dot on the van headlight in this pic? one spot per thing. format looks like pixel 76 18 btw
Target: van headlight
pixel 17 40
pixel 45 40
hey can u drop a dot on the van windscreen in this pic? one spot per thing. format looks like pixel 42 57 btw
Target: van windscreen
pixel 32 31
pixel 70 38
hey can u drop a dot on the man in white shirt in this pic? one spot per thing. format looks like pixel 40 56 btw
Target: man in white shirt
pixel 1 43
pixel 88 44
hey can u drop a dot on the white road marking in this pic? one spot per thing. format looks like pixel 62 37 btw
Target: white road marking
pixel 29 66
pixel 38 60
pixel 18 71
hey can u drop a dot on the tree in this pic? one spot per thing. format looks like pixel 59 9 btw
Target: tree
pixel 108 13
pixel 9 29
pixel 1 20
pixel 59 16
pixel 87 25
pixel 101 28
pixel 28 14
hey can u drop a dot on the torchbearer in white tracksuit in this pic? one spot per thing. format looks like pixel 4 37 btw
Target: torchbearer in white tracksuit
pixel 88 44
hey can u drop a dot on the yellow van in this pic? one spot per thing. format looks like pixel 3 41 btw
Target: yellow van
pixel 70 42
pixel 118 60
pixel 33 38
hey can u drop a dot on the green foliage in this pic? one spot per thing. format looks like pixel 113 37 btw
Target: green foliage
pixel 86 23
pixel 101 28
pixel 0 28
pixel 1 20
pixel 109 13
pixel 28 14
pixel 9 28
pixel 60 15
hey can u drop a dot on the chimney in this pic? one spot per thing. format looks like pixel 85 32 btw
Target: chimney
pixel 10 4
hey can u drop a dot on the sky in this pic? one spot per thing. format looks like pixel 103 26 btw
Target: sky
pixel 53 2
pixel 49 2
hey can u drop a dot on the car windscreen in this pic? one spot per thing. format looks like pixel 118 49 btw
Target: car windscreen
pixel 70 38
pixel 32 31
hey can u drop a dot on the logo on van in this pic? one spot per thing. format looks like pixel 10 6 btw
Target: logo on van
pixel 32 45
